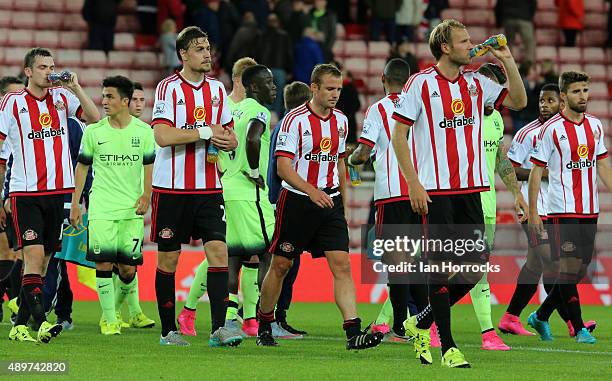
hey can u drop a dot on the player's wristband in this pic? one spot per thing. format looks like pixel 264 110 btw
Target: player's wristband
pixel 349 161
pixel 254 173
pixel 205 132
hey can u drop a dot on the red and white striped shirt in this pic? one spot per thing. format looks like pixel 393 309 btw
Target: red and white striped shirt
pixel 37 130
pixel 571 152
pixel 519 155
pixel 180 104
pixel 390 185
pixel 314 144
pixel 446 118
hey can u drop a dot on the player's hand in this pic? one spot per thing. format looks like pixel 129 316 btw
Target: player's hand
pixel 2 218
pixel 418 198
pixel 7 205
pixel 259 181
pixel 142 204
pixel 72 84
pixel 521 208
pixel 349 149
pixel 535 224
pixel 224 138
pixel 502 54
pixel 75 215
pixel 321 199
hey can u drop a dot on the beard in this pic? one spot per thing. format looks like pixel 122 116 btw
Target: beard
pixel 577 107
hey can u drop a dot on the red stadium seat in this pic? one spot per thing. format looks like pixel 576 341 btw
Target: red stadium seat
pixel 423 52
pixel 340 32
pixel 3 36
pixel 478 17
pixel 73 6
pixel 118 59
pixel 124 41
pixel 595 21
pixel 48 39
pixel 48 20
pixel 456 3
pixel 6 4
pixel 73 21
pixel 146 60
pixel 338 49
pixel 357 66
pixel 127 23
pixel 595 6
pixel 598 108
pixel 94 58
pixel 14 56
pixel 13 70
pixel 545 19
pixel 378 49
pixel 592 38
pixel 546 5
pixel 478 4
pixel 26 5
pixel 20 37
pixel 547 37
pixel 596 71
pixel 68 58
pixel 546 53
pixel 23 20
pixel 376 66
pixel 5 19
pixel 91 77
pixel 478 34
pixel 456 14
pixel 72 40
pixel 598 90
pixel 570 54
pixel 95 93
pixel 146 77
pixel 52 6
pixel 356 48
pixel 593 55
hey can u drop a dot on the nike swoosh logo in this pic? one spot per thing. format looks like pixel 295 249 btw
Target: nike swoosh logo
pixel 100 143
pixel 485 290
pixel 104 285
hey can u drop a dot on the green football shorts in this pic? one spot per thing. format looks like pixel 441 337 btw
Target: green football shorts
pixel 250 225
pixel 117 241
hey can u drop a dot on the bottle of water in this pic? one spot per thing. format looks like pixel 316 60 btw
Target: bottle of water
pixel 354 176
pixel 495 42
pixel 212 154
pixel 63 76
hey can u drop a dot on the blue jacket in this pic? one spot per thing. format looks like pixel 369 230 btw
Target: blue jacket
pixel 274 181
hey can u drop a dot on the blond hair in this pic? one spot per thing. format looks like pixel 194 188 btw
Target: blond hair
pixel 241 65
pixel 442 34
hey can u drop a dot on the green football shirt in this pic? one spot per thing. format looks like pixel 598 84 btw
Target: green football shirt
pixel 236 186
pixel 118 157
pixel 493 135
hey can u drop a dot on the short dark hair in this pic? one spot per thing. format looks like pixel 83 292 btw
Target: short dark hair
pixel 124 86
pixel 550 87
pixel 30 57
pixel 493 70
pixel 138 86
pixel 322 69
pixel 397 71
pixel 249 74
pixel 296 94
pixel 568 77
pixel 6 81
pixel 186 37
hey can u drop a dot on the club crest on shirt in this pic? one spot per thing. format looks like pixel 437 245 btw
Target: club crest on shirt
pixel 341 132
pixel 30 235
pixel 166 233
pixel 215 101
pixel 135 142
pixel 45 120
pixel 286 247
pixel 473 91
pixel 160 108
pixel 59 106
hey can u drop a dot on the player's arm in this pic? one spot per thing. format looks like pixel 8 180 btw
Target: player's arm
pixel 418 195
pixel 166 135
pixel 604 172
pixel 2 211
pixel 286 172
pixel 255 129
pixel 517 96
pixel 80 174
pixel 90 111
pixel 535 182
pixel 342 186
pixel 142 204
pixel 360 155
pixel 504 169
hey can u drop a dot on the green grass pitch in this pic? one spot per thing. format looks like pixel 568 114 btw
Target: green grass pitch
pixel 137 355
